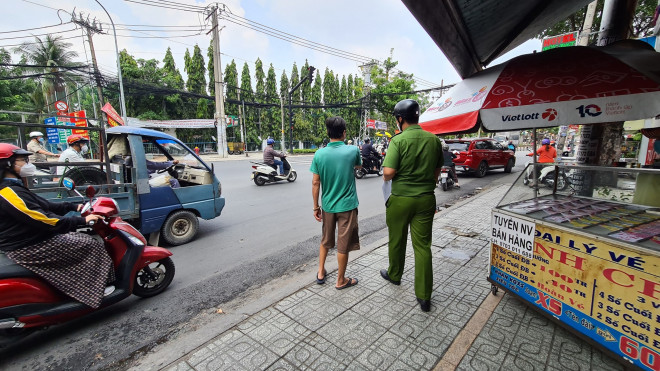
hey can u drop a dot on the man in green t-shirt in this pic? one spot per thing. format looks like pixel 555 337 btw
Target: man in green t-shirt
pixel 413 162
pixel 333 167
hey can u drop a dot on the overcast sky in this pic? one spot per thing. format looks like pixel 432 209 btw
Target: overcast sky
pixel 364 27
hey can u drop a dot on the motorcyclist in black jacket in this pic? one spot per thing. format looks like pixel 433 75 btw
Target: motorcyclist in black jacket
pixel 35 234
pixel 369 155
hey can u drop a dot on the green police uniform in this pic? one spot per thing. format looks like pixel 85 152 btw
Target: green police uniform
pixel 414 154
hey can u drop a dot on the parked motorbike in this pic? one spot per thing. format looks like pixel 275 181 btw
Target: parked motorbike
pixel 28 303
pixel 446 178
pixel 264 173
pixel 546 175
pixel 368 167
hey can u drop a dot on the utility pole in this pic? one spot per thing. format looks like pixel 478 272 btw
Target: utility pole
pixel 588 22
pixel 90 30
pixel 219 86
pixel 310 77
pixel 366 77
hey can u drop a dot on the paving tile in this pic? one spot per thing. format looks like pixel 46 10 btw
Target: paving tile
pixel 485 353
pixel 418 358
pixel 601 361
pixel 351 332
pixel 181 366
pixel 303 354
pixel 458 312
pixel 413 323
pixel 437 337
pixel 501 329
pixel 349 297
pixel 294 299
pixel 282 365
pixel 512 307
pixel 383 352
pixel 381 310
pixel 313 312
pixel 475 363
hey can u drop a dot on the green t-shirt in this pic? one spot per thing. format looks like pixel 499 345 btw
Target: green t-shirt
pixel 335 164
pixel 414 154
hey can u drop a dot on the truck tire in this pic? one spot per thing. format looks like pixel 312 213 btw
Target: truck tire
pixel 482 169
pixel 180 227
pixel 509 165
pixel 86 175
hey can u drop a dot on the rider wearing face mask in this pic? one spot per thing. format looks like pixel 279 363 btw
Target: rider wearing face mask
pixel 36 146
pixel 77 149
pixel 35 235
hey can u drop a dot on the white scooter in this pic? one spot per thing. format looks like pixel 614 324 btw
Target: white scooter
pixel 264 173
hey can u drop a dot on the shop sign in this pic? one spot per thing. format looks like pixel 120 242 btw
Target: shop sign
pixel 56 136
pixel 514 234
pixel 604 291
pixel 560 41
pixel 79 119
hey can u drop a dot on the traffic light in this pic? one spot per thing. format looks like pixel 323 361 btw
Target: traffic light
pixel 310 70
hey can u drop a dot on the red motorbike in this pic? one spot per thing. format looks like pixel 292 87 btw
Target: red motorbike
pixel 28 303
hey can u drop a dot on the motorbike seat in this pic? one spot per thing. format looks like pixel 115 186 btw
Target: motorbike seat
pixel 9 269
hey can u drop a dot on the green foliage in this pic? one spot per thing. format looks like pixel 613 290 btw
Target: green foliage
pixel 273 116
pixel 284 85
pixel 196 72
pixel 210 68
pixel 252 129
pixel 641 24
pixel 305 150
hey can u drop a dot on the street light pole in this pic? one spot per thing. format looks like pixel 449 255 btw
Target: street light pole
pixel 122 102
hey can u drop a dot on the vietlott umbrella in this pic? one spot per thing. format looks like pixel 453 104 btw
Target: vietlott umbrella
pixel 572 85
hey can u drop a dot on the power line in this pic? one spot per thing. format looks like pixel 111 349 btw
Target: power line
pixel 35 28
pixel 145 2
pixel 43 34
pixel 35 43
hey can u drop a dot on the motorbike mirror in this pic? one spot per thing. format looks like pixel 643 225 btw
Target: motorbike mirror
pixel 69 184
pixel 90 192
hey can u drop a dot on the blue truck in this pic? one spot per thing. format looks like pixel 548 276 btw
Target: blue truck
pixel 163 204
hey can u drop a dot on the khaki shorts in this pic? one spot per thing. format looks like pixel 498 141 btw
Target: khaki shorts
pixel 346 225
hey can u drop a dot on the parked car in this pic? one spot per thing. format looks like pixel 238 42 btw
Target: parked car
pixel 478 155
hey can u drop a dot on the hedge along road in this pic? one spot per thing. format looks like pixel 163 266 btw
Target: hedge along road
pixel 263 233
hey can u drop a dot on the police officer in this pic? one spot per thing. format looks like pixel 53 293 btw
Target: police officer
pixel 413 162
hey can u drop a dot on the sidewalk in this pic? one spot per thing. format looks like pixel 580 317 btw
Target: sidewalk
pixel 379 326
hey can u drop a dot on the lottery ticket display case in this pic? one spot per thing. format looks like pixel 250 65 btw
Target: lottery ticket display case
pixel 583 248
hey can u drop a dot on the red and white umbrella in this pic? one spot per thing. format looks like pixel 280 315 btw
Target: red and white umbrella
pixel 563 86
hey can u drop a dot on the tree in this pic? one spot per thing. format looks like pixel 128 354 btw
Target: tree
pixel 641 25
pixel 273 115
pixel 210 68
pixel 53 53
pixel 295 97
pixel 196 72
pixel 231 82
pixel 259 93
pixel 253 132
pixel 284 85
pixel 316 97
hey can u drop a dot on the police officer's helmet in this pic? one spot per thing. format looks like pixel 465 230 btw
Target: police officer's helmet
pixel 408 109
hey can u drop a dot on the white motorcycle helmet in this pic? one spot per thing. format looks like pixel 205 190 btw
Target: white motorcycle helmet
pixel 36 134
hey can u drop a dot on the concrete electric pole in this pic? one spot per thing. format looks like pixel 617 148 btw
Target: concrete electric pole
pixel 219 86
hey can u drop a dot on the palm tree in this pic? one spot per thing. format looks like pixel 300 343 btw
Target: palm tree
pixel 53 53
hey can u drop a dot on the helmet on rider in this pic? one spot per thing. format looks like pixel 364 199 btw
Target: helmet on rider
pixel 270 141
pixel 545 141
pixel 8 154
pixel 36 134
pixel 75 138
pixel 407 109
pixel 7 151
pixel 367 140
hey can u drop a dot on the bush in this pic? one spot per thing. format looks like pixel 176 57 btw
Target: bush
pixel 305 150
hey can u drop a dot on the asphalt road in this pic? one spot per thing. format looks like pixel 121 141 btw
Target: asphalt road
pixel 263 233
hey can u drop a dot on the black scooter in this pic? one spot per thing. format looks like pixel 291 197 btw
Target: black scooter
pixel 368 167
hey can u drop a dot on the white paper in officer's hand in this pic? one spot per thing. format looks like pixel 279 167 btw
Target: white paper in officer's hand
pixel 387 189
